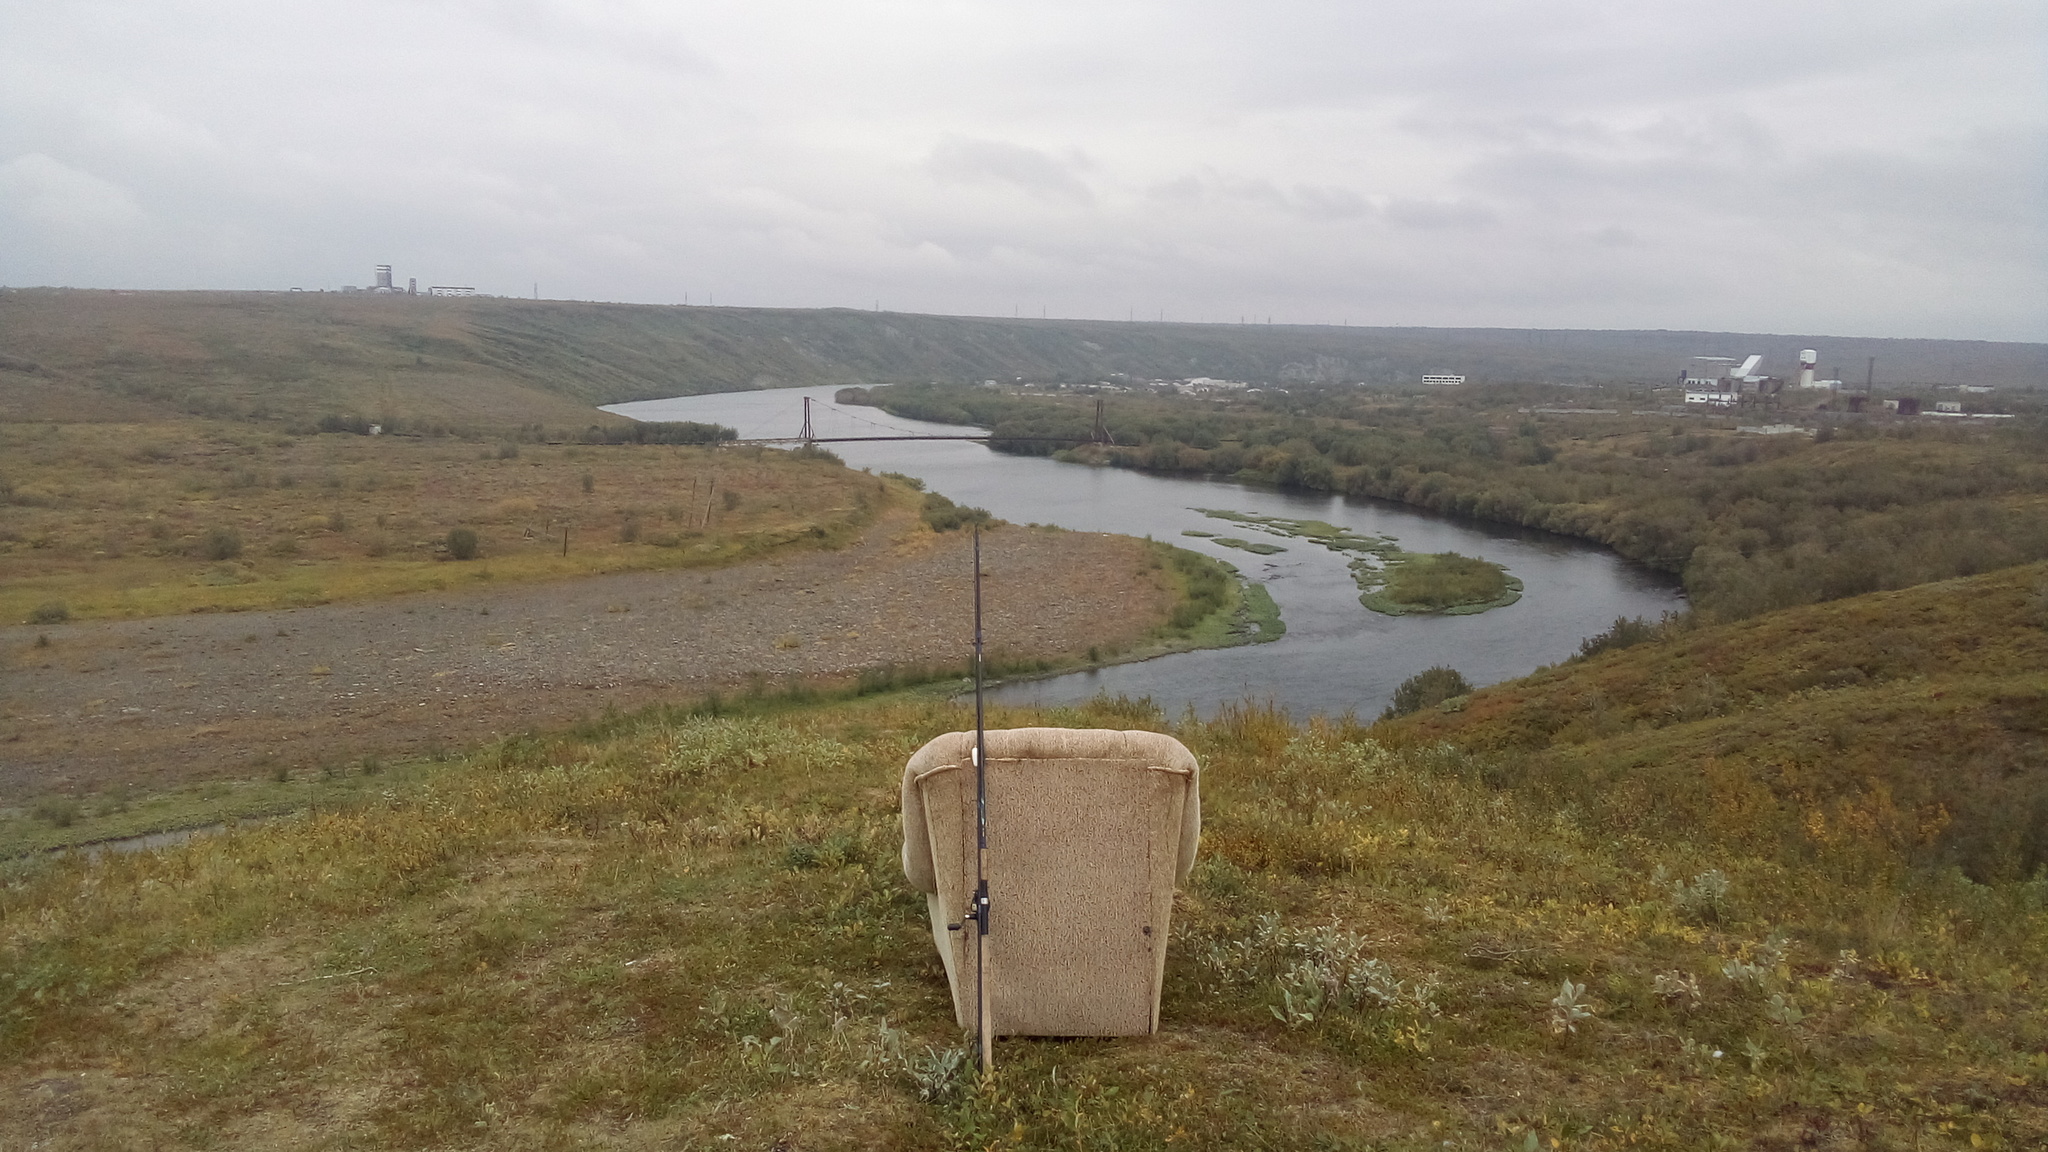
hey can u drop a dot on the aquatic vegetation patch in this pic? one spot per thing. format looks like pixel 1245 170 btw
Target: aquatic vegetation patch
pixel 1258 546
pixel 1392 581
pixel 1441 582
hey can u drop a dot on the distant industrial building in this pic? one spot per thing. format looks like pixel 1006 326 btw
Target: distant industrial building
pixel 1808 360
pixel 1710 381
pixel 1442 378
pixel 450 290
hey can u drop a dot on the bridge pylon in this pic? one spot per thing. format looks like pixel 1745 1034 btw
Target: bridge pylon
pixel 806 435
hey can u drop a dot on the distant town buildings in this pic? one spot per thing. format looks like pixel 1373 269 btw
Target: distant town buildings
pixel 383 283
pixel 1200 385
pixel 1442 378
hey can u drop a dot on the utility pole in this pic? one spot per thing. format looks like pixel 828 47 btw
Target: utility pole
pixel 806 435
pixel 984 1023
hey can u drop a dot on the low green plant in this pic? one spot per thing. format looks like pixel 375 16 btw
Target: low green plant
pixel 462 543
pixel 944 516
pixel 57 811
pixel 1704 898
pixel 50 612
pixel 220 543
pixel 1568 1009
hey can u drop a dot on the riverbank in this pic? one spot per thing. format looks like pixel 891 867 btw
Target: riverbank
pixel 99 710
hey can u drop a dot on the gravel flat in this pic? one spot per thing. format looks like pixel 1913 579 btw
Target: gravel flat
pixel 152 703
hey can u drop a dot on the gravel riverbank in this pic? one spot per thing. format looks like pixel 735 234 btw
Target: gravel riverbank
pixel 157 702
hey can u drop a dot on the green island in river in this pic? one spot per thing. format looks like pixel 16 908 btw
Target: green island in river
pixel 1392 581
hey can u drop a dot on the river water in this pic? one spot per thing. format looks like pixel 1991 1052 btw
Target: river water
pixel 1336 655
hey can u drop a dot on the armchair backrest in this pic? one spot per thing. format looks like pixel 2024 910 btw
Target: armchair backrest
pixel 1089 832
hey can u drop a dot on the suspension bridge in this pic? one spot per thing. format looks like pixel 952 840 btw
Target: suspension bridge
pixel 806 436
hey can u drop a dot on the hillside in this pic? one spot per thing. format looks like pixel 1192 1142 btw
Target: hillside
pixel 688 929
pixel 1910 726
pixel 501 362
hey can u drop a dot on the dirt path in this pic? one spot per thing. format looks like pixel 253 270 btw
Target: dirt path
pixel 156 702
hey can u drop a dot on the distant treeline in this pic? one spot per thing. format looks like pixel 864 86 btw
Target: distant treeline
pixel 659 432
pixel 647 432
pixel 1750 523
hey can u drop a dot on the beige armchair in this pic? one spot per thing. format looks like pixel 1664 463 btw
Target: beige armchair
pixel 1089 832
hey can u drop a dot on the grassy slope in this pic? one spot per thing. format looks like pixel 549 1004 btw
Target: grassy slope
pixel 490 362
pixel 1910 722
pixel 671 930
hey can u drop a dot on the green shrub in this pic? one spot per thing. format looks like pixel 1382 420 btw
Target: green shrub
pixel 943 515
pixel 1624 633
pixel 462 543
pixel 220 544
pixel 50 612
pixel 1425 689
pixel 57 811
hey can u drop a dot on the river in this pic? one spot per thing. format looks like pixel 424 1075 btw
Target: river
pixel 1336 655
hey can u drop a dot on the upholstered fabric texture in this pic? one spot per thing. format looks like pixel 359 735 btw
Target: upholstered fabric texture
pixel 1090 830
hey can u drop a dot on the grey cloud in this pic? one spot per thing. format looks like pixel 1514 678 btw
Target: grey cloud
pixel 996 162
pixel 43 191
pixel 1313 202
pixel 1491 162
pixel 1433 214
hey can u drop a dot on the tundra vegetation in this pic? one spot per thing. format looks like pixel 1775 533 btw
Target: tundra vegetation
pixel 1699 890
pixel 1751 523
pixel 108 520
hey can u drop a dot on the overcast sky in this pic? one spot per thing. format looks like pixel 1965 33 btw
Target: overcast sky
pixel 1871 168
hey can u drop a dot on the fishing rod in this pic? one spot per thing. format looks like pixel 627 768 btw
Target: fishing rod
pixel 983 1026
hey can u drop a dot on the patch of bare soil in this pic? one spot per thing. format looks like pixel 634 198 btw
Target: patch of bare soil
pixel 157 702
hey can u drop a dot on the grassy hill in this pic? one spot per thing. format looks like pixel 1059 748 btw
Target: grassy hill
pixel 414 361
pixel 1911 726
pixel 1650 899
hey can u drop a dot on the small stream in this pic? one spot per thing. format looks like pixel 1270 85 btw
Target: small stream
pixel 1336 656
